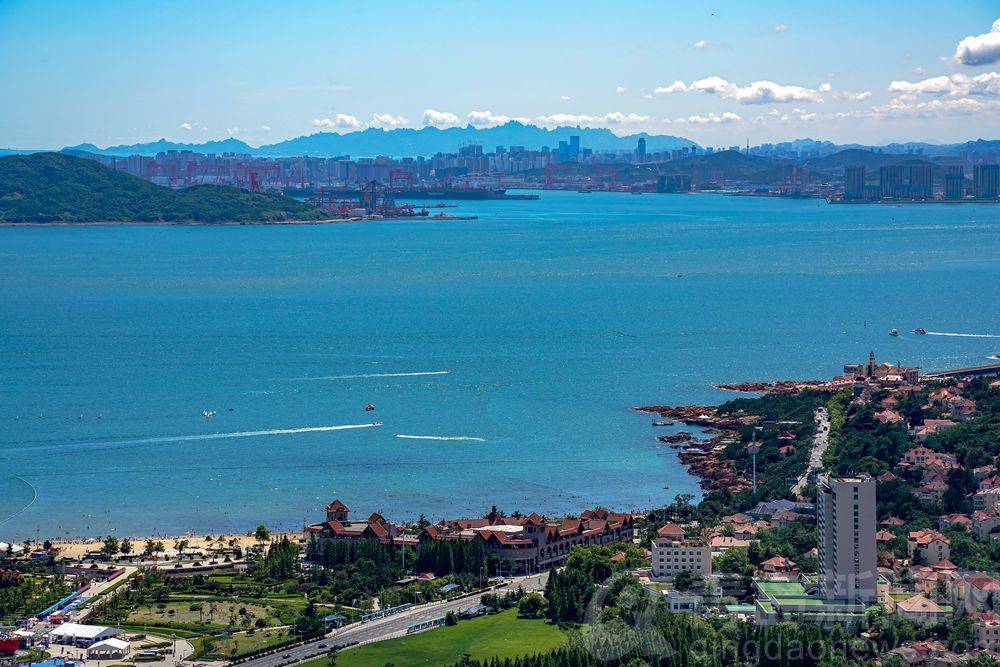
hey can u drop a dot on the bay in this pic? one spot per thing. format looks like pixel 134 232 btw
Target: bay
pixel 516 344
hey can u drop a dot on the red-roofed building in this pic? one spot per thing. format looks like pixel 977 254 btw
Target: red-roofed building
pixel 984 522
pixel 986 626
pixel 534 543
pixel 931 545
pixel 671 531
pixel 337 527
pixel 976 591
pixel 889 417
pixel 884 536
pixel 962 520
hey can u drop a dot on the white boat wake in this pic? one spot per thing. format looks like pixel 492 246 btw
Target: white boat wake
pixel 378 375
pixel 207 436
pixel 960 335
pixel 439 437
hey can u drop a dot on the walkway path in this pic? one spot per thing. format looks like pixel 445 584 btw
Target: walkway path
pixel 820 441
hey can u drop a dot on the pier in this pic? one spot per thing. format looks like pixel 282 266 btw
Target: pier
pixel 986 370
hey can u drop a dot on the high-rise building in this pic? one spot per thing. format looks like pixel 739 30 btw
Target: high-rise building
pixel 986 181
pixel 574 146
pixel 854 181
pixel 640 150
pixel 954 183
pixel 890 179
pixel 921 181
pixel 845 519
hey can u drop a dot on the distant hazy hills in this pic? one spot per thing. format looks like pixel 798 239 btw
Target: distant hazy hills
pixel 403 142
pixel 55 187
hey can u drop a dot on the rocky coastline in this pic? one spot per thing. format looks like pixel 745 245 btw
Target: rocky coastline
pixel 703 457
pixel 779 387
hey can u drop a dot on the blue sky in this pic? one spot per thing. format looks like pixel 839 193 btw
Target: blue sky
pixel 122 72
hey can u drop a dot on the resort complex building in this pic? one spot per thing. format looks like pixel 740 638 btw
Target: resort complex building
pixel 524 543
pixel 534 543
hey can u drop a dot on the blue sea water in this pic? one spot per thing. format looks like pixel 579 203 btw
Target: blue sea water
pixel 529 333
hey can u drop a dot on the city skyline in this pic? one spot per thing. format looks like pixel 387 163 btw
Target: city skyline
pixel 107 75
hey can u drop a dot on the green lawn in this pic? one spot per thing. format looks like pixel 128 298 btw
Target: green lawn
pixel 244 643
pixel 502 635
pixel 208 614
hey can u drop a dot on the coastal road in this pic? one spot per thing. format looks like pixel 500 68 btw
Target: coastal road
pixel 390 626
pixel 820 441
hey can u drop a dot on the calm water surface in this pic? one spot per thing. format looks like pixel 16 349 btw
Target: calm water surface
pixel 527 334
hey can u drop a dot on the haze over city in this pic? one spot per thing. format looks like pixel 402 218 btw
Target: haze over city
pixel 851 72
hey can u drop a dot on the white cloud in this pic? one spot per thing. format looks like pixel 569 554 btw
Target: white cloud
pixel 564 98
pixel 266 128
pixel 726 117
pixel 700 44
pixel 807 116
pixel 620 89
pixel 860 97
pixel 440 118
pixel 935 108
pixel 187 126
pixel 386 120
pixel 613 119
pixel 825 87
pixel 955 85
pixel 340 121
pixel 675 87
pixel 980 49
pixel 781 27
pixel 647 96
pixel 233 131
pixel 757 92
pixel 490 119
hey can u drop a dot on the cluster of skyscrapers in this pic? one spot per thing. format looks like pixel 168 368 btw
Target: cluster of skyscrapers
pixel 917 182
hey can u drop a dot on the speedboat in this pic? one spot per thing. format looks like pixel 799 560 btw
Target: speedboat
pixel 919 331
pixel 893 333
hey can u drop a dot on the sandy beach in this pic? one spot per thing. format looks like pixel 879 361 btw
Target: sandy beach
pixel 76 549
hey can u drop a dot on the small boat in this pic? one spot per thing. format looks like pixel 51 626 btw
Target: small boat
pixel 920 331
pixel 893 333
pixel 369 408
pixel 663 423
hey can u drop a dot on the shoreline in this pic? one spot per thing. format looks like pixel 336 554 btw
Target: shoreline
pixel 700 457
pixel 195 223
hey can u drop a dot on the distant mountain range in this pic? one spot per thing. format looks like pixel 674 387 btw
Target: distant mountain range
pixel 404 142
pixel 408 142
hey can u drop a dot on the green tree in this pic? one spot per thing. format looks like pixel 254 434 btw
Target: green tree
pixel 111 547
pixel 532 605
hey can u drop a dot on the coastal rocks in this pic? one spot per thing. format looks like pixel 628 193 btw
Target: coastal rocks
pixel 780 387
pixel 703 458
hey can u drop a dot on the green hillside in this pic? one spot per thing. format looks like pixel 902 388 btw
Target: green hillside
pixel 52 187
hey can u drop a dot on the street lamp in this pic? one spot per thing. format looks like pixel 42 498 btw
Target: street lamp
pixel 753 448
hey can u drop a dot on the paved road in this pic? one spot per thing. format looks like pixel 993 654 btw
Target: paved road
pixel 389 627
pixel 820 441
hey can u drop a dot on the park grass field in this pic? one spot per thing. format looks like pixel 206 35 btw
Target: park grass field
pixel 501 635
pixel 209 614
pixel 241 643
